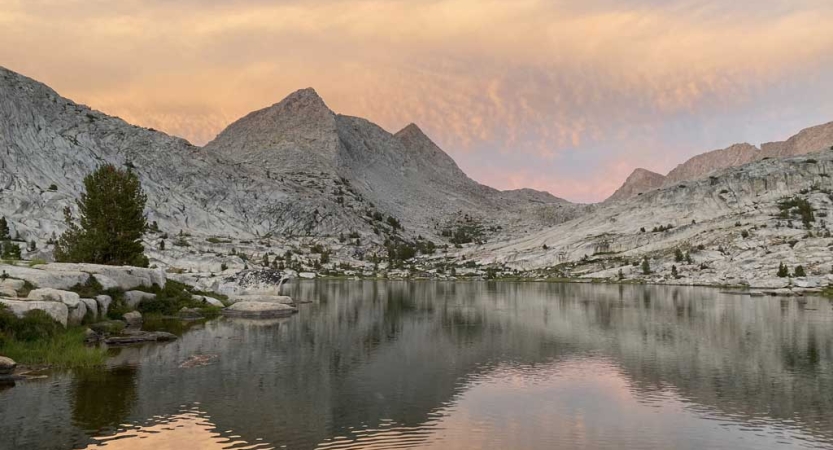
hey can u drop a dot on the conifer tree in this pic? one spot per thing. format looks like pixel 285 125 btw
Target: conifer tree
pixel 783 272
pixel 4 229
pixel 111 221
pixel 799 271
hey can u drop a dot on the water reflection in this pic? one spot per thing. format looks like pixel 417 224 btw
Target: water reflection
pixel 460 365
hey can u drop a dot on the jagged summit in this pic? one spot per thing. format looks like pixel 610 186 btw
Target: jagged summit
pixel 808 140
pixel 298 133
pixel 707 163
pixel 811 139
pixel 639 181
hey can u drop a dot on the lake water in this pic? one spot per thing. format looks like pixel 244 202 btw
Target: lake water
pixel 441 365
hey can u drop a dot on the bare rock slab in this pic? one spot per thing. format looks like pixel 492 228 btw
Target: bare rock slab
pixel 45 279
pixel 122 277
pixel 259 310
pixel 56 310
pixel 262 298
pixel 134 298
pixel 76 308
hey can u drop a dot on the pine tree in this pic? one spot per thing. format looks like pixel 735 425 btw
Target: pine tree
pixel 4 229
pixel 678 255
pixel 799 271
pixel 10 251
pixel 111 222
pixel 783 272
pixel 674 272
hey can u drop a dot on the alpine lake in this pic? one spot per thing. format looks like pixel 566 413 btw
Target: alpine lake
pixel 457 365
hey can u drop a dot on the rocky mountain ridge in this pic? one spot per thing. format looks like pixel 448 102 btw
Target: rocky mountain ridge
pixel 809 140
pixel 293 169
pixel 296 184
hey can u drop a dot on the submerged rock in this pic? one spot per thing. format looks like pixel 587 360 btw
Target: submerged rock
pixel 108 327
pixel 190 314
pixel 256 310
pixel 137 337
pixel 262 298
pixel 198 361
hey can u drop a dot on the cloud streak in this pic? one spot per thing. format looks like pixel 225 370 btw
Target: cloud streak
pixel 568 96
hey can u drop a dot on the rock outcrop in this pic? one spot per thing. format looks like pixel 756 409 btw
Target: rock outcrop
pixel 294 168
pixel 809 140
pixel 56 310
pixel 641 180
pixel 708 163
pixel 259 310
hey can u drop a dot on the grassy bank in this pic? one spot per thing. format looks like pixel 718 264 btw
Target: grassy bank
pixel 64 350
pixel 36 339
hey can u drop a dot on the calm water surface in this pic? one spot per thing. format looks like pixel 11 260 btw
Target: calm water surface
pixel 459 365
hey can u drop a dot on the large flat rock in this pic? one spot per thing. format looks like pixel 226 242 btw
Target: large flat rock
pixel 76 308
pixel 259 310
pixel 282 299
pixel 46 279
pixel 56 310
pixel 123 277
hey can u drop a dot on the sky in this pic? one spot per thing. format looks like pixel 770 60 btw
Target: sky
pixel 563 96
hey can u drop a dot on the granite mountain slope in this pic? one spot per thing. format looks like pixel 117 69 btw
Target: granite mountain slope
pixel 292 169
pixel 700 166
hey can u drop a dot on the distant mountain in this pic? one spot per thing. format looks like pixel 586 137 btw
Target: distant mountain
pixel 809 140
pixel 295 168
pixel 639 181
pixel 707 163
pixel 806 141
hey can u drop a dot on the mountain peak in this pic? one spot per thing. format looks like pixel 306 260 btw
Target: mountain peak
pixel 302 99
pixel 639 181
pixel 411 128
pixel 298 132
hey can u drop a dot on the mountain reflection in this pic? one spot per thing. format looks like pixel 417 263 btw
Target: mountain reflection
pixel 381 359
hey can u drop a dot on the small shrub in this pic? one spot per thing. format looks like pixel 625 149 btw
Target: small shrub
pixel 799 271
pixel 783 272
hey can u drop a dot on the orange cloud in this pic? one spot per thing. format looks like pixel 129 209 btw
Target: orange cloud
pixel 533 79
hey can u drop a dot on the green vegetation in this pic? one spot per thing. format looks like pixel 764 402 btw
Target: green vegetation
pixel 674 272
pixel 646 266
pixel 9 251
pixel 37 339
pixel 173 297
pixel 797 207
pixel 111 222
pixel 4 230
pixel 799 271
pixel 783 271
pixel 678 255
